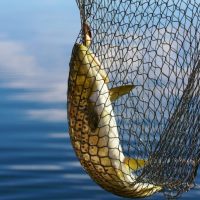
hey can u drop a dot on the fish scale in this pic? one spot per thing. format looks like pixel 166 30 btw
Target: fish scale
pixel 93 129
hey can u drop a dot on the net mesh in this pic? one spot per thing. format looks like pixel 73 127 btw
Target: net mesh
pixel 153 45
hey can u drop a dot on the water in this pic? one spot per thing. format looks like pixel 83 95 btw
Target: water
pixel 36 157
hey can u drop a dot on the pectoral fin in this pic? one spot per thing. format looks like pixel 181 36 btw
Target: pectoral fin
pixel 135 164
pixel 93 118
pixel 117 92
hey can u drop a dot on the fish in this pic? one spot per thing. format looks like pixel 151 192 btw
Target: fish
pixel 93 128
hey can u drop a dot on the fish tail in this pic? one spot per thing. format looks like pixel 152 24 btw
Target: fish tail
pixel 136 164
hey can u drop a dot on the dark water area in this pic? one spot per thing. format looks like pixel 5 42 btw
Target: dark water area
pixel 37 161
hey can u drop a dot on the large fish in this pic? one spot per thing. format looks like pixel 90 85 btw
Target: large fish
pixel 93 129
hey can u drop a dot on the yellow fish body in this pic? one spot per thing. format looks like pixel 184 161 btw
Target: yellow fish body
pixel 93 128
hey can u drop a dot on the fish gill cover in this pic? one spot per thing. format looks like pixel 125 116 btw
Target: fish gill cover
pixel 134 95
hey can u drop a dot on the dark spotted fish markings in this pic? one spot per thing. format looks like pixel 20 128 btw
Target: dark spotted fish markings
pixel 93 129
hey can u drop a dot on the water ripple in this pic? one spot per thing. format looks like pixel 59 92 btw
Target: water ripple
pixel 35 167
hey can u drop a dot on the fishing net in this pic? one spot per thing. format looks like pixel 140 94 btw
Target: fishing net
pixel 153 45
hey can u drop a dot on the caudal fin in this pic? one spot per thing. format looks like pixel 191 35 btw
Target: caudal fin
pixel 144 188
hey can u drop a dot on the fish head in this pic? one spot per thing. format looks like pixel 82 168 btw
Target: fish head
pixel 79 51
pixel 82 75
pixel 79 59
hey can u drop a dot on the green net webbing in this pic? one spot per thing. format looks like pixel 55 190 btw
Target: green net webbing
pixel 153 45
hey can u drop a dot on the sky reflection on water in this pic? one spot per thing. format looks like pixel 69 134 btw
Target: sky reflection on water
pixel 37 160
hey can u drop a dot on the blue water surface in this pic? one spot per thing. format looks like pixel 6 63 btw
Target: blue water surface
pixel 37 161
